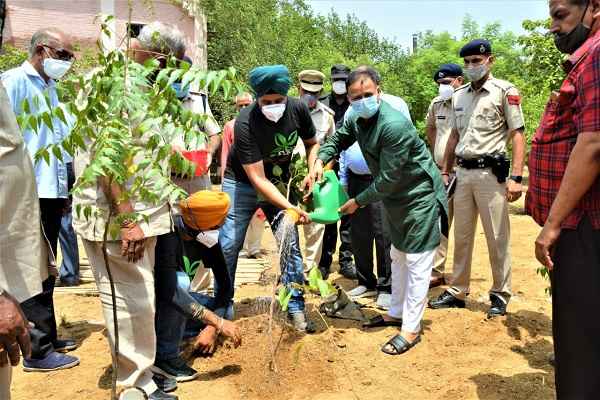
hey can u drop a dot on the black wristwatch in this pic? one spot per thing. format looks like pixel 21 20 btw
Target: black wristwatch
pixel 516 178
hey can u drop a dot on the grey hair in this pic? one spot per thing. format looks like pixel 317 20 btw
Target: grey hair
pixel 162 38
pixel 43 36
pixel 242 96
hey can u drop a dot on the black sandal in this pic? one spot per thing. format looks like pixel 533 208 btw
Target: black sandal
pixel 400 345
pixel 380 321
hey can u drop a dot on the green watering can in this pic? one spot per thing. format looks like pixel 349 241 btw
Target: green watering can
pixel 328 196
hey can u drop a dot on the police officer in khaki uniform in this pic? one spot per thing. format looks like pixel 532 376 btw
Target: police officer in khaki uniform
pixel 310 88
pixel 486 116
pixel 448 77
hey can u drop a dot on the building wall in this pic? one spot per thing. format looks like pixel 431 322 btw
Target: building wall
pixel 79 18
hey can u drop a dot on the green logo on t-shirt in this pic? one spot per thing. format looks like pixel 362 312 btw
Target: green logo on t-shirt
pixel 284 146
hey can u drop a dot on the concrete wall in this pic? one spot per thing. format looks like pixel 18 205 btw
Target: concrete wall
pixel 79 19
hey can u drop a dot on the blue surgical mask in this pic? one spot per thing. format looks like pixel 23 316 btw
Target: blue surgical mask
pixel 366 107
pixel 181 93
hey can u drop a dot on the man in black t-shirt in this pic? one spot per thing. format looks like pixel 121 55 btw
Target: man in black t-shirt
pixel 265 135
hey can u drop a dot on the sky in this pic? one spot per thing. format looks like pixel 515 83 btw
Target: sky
pixel 399 19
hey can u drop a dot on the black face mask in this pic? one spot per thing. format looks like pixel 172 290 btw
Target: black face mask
pixel 568 43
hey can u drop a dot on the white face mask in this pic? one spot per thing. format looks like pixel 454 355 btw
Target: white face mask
pixel 339 87
pixel 208 238
pixel 273 112
pixel 446 91
pixel 56 69
pixel 478 72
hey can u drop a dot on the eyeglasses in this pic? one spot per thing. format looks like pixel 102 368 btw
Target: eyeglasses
pixel 61 54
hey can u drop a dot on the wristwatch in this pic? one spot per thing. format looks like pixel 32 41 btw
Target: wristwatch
pixel 516 178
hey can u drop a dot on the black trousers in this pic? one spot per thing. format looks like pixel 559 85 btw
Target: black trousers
pixel 40 308
pixel 368 228
pixel 575 300
pixel 330 241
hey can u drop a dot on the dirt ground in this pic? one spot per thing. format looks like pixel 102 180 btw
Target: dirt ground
pixel 462 355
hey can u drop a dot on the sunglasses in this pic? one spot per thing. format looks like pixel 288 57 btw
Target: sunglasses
pixel 61 54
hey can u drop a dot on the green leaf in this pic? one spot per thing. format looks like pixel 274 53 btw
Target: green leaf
pixel 57 152
pixel 25 106
pixel 280 140
pixel 47 118
pixel 283 297
pixel 314 276
pixel 277 171
pixel 325 288
pixel 60 114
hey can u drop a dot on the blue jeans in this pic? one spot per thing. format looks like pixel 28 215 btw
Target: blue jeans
pixel 69 269
pixel 244 203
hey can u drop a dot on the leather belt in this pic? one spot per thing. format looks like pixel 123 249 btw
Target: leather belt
pixel 474 163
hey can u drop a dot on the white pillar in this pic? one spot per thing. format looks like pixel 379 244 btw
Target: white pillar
pixel 107 7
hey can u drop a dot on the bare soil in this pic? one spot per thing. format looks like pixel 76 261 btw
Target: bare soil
pixel 462 355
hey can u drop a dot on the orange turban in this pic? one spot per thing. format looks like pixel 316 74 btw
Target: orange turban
pixel 205 210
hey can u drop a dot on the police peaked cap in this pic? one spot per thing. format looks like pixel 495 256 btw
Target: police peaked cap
pixel 476 47
pixel 448 70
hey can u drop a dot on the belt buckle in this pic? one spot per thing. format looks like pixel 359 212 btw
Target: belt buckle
pixel 481 163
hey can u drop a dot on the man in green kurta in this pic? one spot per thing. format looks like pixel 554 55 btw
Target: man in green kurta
pixel 410 186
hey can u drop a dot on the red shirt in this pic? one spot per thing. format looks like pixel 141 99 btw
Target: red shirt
pixel 226 143
pixel 575 109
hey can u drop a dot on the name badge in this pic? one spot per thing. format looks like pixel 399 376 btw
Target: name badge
pixel 458 109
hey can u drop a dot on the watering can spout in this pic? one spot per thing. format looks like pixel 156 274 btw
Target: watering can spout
pixel 328 196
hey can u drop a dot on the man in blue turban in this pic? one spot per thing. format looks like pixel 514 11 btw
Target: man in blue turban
pixel 257 173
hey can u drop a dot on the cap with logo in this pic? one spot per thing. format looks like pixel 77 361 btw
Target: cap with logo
pixel 311 80
pixel 448 70
pixel 339 72
pixel 477 47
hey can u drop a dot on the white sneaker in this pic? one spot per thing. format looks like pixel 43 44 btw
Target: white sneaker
pixel 384 301
pixel 361 291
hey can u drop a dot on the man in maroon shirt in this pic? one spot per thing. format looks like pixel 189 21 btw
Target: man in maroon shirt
pixel 564 198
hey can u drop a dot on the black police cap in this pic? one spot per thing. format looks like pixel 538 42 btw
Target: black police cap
pixel 448 70
pixel 476 47
pixel 339 71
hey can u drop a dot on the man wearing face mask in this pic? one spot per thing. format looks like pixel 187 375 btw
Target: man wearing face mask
pixel 265 136
pixel 50 57
pixel 310 88
pixel 564 198
pixel 448 77
pixel 339 103
pixel 486 116
pixel 252 245
pixel 407 182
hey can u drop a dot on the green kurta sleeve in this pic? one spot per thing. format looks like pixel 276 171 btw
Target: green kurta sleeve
pixel 339 141
pixel 395 151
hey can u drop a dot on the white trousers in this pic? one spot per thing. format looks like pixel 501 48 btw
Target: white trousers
pixel 134 287
pixel 410 284
pixel 5 375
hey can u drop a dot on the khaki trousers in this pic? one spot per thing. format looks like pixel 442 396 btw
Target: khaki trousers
pixel 134 287
pixel 254 234
pixel 5 375
pixel 313 237
pixel 439 260
pixel 478 193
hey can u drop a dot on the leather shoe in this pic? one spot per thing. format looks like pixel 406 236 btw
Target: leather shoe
pixel 348 271
pixel 436 281
pixel 446 300
pixel 498 307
